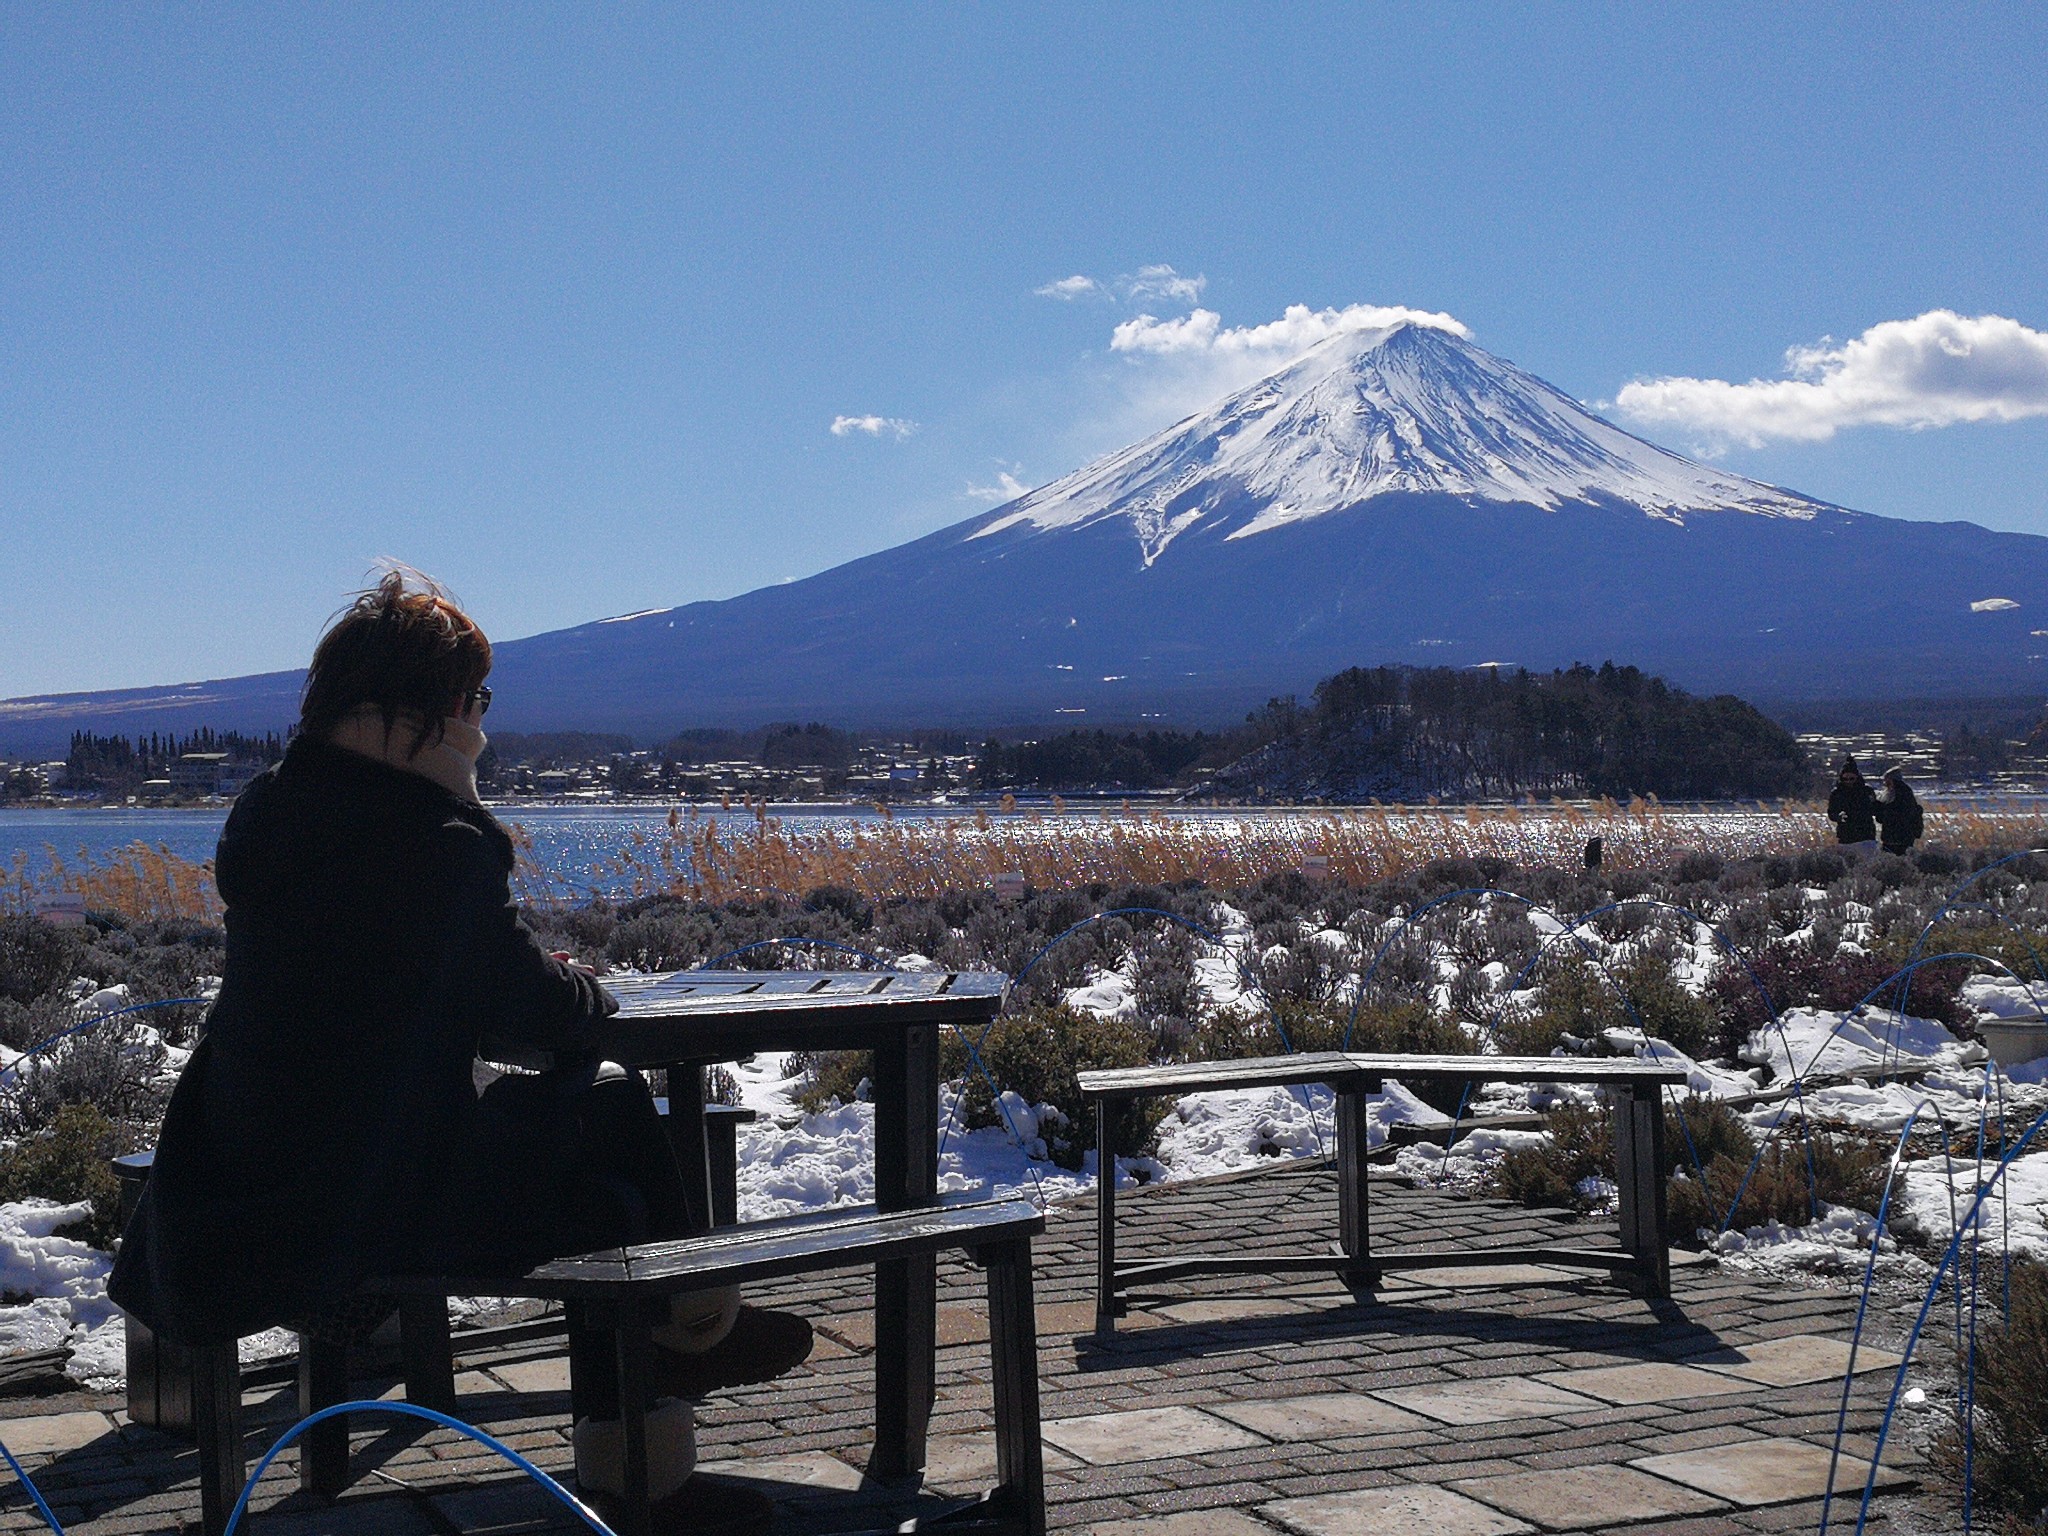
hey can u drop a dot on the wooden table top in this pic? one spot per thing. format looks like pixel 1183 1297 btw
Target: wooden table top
pixel 709 1014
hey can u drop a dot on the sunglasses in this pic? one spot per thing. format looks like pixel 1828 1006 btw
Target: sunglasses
pixel 481 697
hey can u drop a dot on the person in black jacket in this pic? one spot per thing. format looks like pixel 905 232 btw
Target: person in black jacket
pixel 1899 817
pixel 1852 807
pixel 327 1127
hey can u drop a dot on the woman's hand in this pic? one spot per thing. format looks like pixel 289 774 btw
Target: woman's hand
pixel 572 962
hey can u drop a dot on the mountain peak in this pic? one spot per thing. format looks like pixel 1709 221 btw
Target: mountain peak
pixel 1402 408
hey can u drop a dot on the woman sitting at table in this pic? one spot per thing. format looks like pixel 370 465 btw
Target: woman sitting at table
pixel 328 1129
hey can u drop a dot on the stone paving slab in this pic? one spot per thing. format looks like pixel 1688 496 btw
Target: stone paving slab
pixel 1399 1511
pixel 1146 1434
pixel 1320 1416
pixel 969 1461
pixel 1571 1498
pixel 1491 1400
pixel 792 1477
pixel 52 1433
pixel 1796 1360
pixel 1651 1381
pixel 1770 1471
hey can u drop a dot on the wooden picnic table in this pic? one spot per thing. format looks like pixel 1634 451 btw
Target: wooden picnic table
pixel 684 1021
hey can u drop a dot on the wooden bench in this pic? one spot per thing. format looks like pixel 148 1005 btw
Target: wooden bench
pixel 613 1300
pixel 175 1389
pixel 1634 1086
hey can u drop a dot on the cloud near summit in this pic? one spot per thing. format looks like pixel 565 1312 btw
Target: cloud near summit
pixel 1298 329
pixel 1934 370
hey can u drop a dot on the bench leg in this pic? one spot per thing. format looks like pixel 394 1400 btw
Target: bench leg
pixel 1105 1225
pixel 631 1343
pixel 1013 1372
pixel 323 1449
pixel 217 1425
pixel 1354 1203
pixel 427 1352
pixel 1639 1175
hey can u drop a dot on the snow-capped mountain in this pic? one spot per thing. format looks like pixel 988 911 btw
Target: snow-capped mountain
pixel 1398 495
pixel 1410 408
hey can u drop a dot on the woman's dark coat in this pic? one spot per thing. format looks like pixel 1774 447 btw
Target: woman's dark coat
pixel 1901 821
pixel 328 1122
pixel 1853 810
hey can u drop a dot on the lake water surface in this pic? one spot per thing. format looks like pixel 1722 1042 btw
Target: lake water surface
pixel 569 841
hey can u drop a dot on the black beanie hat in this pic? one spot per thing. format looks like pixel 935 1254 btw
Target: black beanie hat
pixel 1849 766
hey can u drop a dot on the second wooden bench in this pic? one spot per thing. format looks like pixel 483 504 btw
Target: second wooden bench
pixel 1635 1088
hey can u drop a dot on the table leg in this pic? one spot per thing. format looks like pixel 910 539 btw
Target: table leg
pixel 686 1136
pixel 1105 1223
pixel 1354 1199
pixel 906 1089
pixel 1639 1180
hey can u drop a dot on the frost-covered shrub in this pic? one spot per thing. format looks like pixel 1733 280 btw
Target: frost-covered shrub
pixel 112 1068
pixel 36 957
pixel 831 1077
pixel 1580 1147
pixel 1796 977
pixel 1698 869
pixel 1036 1054
pixel 1835 1168
pixel 2009 1456
pixel 69 1160
pixel 664 939
pixel 1668 1009
pixel 1163 977
pixel 848 905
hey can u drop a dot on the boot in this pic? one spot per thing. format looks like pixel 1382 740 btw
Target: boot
pixel 760 1345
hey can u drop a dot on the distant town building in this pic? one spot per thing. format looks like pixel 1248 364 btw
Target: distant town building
pixel 197 773
pixel 210 773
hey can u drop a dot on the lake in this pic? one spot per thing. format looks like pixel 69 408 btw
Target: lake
pixel 569 841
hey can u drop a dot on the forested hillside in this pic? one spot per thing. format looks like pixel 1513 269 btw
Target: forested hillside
pixel 1401 734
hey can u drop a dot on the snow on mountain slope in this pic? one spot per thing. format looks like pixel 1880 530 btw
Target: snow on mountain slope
pixel 1406 407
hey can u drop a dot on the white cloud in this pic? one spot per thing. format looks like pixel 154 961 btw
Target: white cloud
pixel 1933 370
pixel 1007 487
pixel 1070 288
pixel 1161 282
pixel 1279 341
pixel 1149 284
pixel 873 426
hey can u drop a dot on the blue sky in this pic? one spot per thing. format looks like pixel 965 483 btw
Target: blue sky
pixel 561 303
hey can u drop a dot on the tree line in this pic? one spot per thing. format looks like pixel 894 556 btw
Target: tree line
pixel 1404 733
pixel 116 765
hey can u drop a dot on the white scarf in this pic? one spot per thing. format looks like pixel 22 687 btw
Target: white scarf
pixel 449 762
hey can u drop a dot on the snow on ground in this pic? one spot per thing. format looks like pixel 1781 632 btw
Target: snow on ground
pixel 1704 1078
pixel 1805 1041
pixel 1211 1133
pixel 827 1158
pixel 68 1281
pixel 1937 1194
pixel 2003 997
pixel 1839 1240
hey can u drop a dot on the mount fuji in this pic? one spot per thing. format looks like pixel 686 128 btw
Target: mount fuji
pixel 1395 495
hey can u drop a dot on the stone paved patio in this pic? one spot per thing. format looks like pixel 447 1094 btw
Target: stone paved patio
pixel 1451 1400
